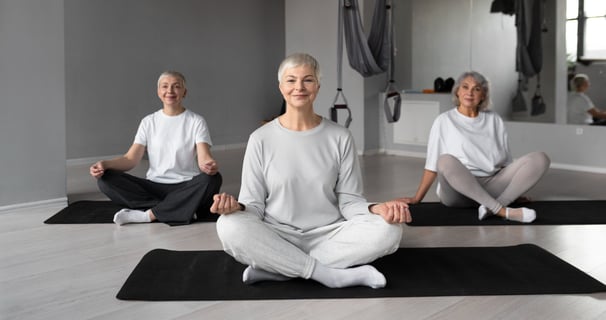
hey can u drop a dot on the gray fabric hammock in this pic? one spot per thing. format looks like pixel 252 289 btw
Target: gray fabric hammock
pixel 529 21
pixel 368 57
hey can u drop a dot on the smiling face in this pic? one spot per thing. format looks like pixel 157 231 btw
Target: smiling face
pixel 171 90
pixel 299 86
pixel 470 93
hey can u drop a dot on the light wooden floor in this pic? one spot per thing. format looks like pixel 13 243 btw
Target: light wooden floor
pixel 75 271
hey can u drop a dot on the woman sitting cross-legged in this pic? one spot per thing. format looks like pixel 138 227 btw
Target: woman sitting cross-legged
pixel 468 152
pixel 301 213
pixel 182 176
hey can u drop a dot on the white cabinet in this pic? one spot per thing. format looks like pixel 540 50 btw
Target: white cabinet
pixel 418 114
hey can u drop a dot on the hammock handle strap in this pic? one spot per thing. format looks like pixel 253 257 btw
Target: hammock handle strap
pixel 336 104
pixel 392 94
pixel 339 103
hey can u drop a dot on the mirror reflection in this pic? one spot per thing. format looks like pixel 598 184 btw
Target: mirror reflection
pixel 586 53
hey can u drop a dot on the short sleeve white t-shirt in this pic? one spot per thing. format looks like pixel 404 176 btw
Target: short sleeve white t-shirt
pixel 578 105
pixel 480 143
pixel 171 145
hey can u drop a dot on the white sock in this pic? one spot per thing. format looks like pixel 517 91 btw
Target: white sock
pixel 252 275
pixel 126 215
pixel 365 275
pixel 520 214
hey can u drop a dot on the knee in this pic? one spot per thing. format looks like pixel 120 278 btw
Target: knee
pixel 212 181
pixel 230 229
pixel 386 237
pixel 104 182
pixel 393 237
pixel 217 179
pixel 540 159
pixel 445 161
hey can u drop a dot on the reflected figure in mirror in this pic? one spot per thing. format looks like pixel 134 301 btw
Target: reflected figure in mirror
pixel 581 109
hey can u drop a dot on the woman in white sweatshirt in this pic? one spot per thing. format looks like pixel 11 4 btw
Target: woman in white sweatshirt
pixel 300 211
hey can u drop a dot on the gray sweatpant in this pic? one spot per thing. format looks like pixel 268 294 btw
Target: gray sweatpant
pixel 459 188
pixel 294 253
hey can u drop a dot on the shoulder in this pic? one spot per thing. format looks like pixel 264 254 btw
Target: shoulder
pixel 492 116
pixel 494 120
pixel 151 117
pixel 446 116
pixel 266 130
pixel 335 128
pixel 193 116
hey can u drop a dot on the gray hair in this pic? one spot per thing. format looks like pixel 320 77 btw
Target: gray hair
pixel 171 73
pixel 481 80
pixel 297 60
pixel 578 80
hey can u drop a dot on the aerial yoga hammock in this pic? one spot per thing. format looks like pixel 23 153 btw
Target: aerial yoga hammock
pixel 368 57
pixel 530 24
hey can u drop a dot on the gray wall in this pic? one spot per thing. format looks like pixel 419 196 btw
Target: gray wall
pixel 32 87
pixel 228 50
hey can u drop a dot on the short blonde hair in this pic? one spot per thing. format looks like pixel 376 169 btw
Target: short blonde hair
pixel 171 73
pixel 297 60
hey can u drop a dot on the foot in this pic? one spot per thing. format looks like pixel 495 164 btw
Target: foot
pixel 252 275
pixel 483 213
pixel 365 275
pixel 524 215
pixel 126 215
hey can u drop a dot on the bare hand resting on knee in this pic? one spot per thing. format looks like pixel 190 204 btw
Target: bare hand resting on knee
pixel 394 211
pixel 224 203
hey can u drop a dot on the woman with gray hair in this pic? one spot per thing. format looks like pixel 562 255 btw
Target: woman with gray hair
pixel 468 153
pixel 301 213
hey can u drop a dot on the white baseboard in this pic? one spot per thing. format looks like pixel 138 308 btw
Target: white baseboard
pixel 371 152
pixel 573 167
pixel 87 161
pixel 563 166
pixel 226 147
pixel 91 160
pixel 36 204
pixel 403 153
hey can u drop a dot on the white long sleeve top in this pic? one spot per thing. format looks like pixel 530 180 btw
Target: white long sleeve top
pixel 302 179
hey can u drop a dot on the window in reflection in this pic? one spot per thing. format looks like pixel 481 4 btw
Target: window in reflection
pixel 585 27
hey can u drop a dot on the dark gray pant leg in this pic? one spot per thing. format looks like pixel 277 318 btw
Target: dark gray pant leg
pixel 129 191
pixel 189 197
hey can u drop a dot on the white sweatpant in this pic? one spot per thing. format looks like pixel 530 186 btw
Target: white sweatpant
pixel 294 253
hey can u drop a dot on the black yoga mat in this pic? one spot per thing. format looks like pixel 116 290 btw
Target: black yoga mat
pixel 164 275
pixel 548 213
pixel 87 211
